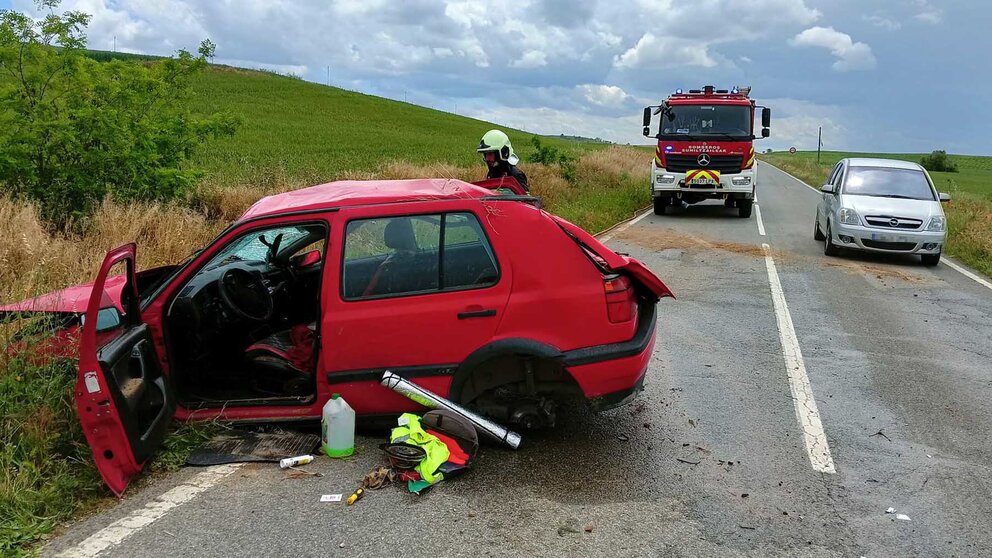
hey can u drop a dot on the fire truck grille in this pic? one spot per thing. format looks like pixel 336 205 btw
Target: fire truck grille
pixel 723 163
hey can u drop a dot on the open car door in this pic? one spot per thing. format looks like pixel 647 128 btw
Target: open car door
pixel 124 401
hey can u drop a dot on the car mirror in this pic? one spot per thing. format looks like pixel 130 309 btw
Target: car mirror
pixel 945 197
pixel 307 259
pixel 827 188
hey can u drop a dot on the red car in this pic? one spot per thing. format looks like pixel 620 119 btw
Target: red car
pixel 477 295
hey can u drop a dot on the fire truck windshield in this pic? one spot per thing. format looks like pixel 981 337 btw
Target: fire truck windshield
pixel 732 122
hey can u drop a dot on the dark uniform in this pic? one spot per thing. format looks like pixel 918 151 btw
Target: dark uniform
pixel 503 168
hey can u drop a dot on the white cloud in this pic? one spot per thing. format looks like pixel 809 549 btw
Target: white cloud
pixel 544 120
pixel 796 122
pixel 745 59
pixel 882 22
pixel 531 59
pixel 850 55
pixel 604 95
pixel 653 52
pixel 929 14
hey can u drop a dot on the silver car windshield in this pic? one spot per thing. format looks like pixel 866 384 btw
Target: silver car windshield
pixel 887 183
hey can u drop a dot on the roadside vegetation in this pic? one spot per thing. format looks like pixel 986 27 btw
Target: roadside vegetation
pixel 175 177
pixel 969 213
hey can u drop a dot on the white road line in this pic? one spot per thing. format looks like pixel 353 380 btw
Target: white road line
pixel 802 391
pixel 966 273
pixel 626 226
pixel 123 528
pixel 757 215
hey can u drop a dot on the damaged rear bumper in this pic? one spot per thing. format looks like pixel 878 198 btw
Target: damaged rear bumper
pixel 612 375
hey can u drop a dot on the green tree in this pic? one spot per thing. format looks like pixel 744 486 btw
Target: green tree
pixel 938 161
pixel 74 131
pixel 549 155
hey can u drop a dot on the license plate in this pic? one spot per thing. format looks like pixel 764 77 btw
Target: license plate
pixel 882 237
pixel 702 177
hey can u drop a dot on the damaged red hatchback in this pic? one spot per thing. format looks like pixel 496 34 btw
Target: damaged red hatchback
pixel 478 296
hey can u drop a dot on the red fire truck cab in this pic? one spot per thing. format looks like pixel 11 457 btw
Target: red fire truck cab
pixel 705 148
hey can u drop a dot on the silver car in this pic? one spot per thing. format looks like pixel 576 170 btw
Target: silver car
pixel 881 205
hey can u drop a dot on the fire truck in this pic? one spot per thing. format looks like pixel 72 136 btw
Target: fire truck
pixel 705 148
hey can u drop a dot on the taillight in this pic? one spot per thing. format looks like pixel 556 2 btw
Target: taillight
pixel 621 304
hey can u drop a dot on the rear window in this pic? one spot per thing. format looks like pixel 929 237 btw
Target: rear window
pixel 887 183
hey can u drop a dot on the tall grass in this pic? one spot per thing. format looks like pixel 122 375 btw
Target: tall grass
pixel 969 214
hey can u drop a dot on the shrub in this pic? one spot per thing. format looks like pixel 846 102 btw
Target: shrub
pixel 548 155
pixel 74 131
pixel 938 161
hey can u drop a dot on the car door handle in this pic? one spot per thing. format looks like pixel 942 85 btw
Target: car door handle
pixel 476 314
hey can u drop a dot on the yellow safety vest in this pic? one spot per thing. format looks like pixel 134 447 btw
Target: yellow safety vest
pixel 411 432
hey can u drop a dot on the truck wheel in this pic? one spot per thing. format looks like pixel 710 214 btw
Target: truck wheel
pixel 817 233
pixel 728 202
pixel 744 208
pixel 660 205
pixel 829 248
pixel 930 260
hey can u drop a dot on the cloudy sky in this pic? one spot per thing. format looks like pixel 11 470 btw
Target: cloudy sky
pixel 883 75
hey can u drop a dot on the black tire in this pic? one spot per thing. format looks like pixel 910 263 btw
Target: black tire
pixel 829 248
pixel 729 202
pixel 744 207
pixel 817 233
pixel 930 260
pixel 660 206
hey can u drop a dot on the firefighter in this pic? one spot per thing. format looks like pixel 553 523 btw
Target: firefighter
pixel 500 158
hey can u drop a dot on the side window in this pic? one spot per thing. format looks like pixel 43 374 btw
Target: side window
pixel 416 254
pixel 390 256
pixel 468 257
pixel 834 175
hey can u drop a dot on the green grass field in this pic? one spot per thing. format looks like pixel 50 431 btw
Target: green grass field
pixel 969 213
pixel 306 131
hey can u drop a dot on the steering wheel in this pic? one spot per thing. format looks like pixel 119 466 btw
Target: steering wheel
pixel 244 293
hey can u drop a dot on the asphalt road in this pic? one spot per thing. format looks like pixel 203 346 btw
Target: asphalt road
pixel 712 460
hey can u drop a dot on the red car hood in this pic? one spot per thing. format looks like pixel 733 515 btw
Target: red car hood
pixel 71 300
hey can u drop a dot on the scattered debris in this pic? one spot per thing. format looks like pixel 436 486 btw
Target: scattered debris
pixel 692 423
pixel 745 495
pixel 647 425
pixel 378 478
pixel 331 497
pixel 687 461
pixel 356 496
pixel 702 449
pixel 294 473
pixel 880 433
pixel 749 527
pixel 434 401
pixel 471 514
pixel 637 408
pixel 903 517
pixel 566 529
pixel 623 437
pixel 588 528
pixel 890 510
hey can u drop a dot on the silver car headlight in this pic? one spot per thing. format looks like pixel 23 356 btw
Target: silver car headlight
pixel 937 224
pixel 848 216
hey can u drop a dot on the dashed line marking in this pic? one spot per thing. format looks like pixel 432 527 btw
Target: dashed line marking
pixel 118 531
pixel 802 392
pixel 625 226
pixel 757 215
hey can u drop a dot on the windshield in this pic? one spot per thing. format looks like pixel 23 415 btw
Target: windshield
pixel 251 247
pixel 888 183
pixel 706 121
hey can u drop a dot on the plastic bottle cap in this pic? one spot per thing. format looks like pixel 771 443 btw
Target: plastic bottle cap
pixel 335 396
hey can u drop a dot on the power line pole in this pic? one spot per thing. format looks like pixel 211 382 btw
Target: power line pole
pixel 819 143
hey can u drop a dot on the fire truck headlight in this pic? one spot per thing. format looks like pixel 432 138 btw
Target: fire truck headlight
pixel 742 180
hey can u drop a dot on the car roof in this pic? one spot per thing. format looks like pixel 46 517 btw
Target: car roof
pixel 348 193
pixel 883 163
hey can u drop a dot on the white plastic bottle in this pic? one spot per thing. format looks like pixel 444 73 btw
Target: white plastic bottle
pixel 337 428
